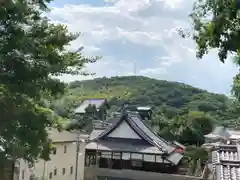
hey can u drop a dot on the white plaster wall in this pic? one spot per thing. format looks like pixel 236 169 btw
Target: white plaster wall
pixel 124 131
pixel 59 161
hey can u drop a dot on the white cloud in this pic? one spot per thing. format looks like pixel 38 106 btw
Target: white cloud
pixel 150 26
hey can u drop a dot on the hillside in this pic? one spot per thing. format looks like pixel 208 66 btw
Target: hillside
pixel 168 98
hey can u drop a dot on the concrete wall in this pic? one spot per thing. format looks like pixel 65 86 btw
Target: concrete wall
pixel 91 172
pixel 58 161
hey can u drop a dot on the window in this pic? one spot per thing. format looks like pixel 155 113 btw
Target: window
pixel 136 163
pixel 136 156
pixel 55 172
pixel 71 170
pixel 65 149
pixel 116 155
pixel 63 171
pixel 106 154
pixel 50 175
pixel 23 174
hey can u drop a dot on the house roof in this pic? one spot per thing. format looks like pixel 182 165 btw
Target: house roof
pixel 154 144
pixel 61 136
pixel 96 102
pixel 64 136
pixel 222 132
pixel 226 162
pixel 135 122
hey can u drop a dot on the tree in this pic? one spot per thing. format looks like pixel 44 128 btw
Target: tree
pixel 194 126
pixel 195 158
pixel 84 121
pixel 32 52
pixel 189 129
pixel 216 24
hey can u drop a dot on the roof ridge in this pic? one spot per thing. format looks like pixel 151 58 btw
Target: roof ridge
pixel 142 132
pixel 165 141
pixel 109 128
pixel 128 116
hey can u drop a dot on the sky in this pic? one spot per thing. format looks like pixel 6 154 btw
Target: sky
pixel 141 35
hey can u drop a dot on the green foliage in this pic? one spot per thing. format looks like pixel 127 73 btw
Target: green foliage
pixel 188 129
pixel 216 25
pixel 32 52
pixel 195 159
pixel 83 122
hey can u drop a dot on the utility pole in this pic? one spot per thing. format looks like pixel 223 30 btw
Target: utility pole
pixel 77 154
pixel 78 144
pixel 44 169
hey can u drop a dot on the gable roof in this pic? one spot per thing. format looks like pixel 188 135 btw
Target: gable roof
pixel 95 102
pixel 135 122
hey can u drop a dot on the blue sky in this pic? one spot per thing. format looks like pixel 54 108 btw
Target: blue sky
pixel 143 32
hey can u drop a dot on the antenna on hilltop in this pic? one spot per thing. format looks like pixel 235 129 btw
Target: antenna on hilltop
pixel 135 68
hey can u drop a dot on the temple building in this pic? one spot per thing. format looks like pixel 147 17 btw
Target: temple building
pixel 130 145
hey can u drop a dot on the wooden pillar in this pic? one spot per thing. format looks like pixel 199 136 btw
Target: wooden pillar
pixel 121 161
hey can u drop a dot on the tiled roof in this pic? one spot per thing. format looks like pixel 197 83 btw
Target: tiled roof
pixel 222 132
pixel 218 132
pixel 61 136
pixel 226 162
pixel 134 120
pixel 136 123
pixel 96 102
pixel 64 136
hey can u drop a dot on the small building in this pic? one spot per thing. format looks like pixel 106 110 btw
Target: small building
pixel 62 165
pixel 128 144
pixel 101 106
pixel 145 112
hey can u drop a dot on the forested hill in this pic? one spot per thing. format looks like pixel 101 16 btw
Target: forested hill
pixel 168 98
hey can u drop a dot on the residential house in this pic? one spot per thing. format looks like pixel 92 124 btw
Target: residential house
pixel 129 150
pixel 62 165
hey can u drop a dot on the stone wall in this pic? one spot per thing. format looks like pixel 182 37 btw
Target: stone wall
pixel 91 173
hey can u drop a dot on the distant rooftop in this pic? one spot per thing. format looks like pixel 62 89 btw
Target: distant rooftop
pixel 146 108
pixel 64 136
pixel 61 136
pixel 222 132
pixel 86 103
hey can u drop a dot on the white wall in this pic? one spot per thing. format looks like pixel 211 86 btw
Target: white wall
pixel 59 161
pixel 124 131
